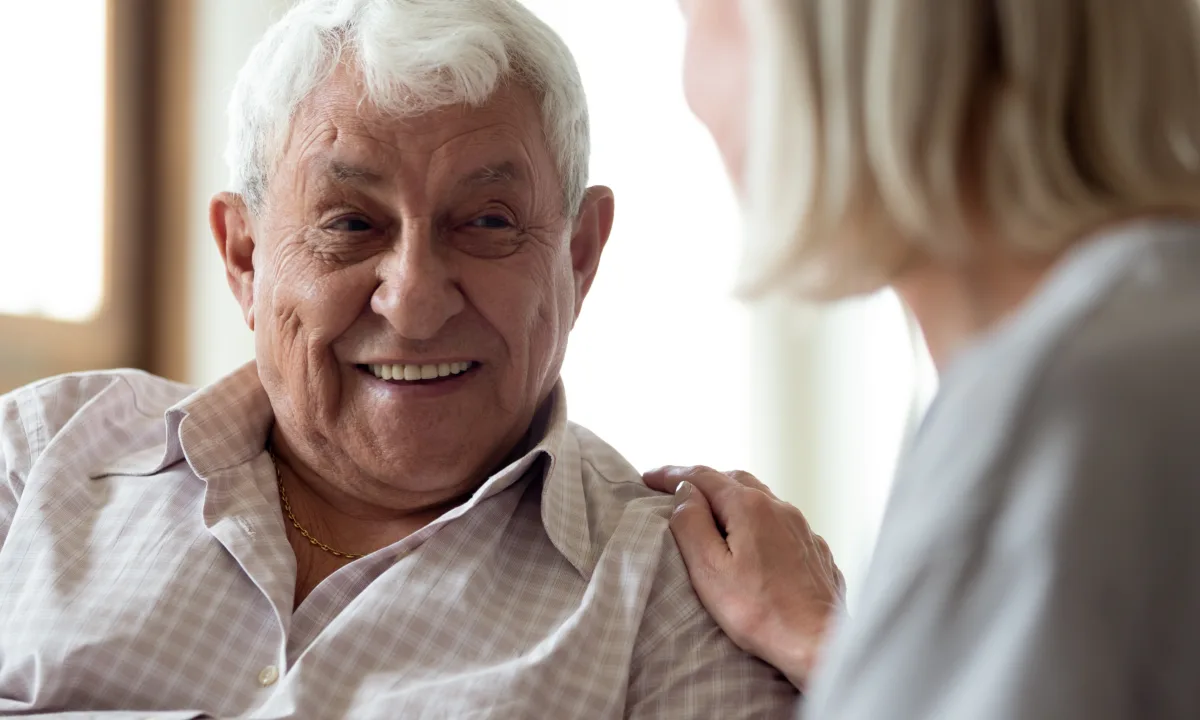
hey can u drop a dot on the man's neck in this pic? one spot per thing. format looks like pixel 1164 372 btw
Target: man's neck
pixel 356 526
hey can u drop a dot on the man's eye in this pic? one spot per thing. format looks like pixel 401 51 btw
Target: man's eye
pixel 491 222
pixel 351 224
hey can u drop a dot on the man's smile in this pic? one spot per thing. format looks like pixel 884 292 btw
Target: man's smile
pixel 429 373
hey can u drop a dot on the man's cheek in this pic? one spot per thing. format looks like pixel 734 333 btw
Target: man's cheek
pixel 315 300
pixel 327 318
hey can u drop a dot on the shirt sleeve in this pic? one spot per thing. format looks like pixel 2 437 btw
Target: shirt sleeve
pixel 124 715
pixel 691 669
pixel 14 461
pixel 1050 589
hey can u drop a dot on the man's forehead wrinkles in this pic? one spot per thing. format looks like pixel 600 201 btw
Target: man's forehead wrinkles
pixel 386 151
pixel 449 146
pixel 456 147
pixel 303 141
pixel 345 155
pixel 503 142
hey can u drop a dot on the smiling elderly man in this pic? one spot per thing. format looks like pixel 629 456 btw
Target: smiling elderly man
pixel 387 514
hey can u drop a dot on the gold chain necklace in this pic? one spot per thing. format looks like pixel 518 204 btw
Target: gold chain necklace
pixel 287 509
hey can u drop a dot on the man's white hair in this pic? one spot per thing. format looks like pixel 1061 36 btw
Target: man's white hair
pixel 413 56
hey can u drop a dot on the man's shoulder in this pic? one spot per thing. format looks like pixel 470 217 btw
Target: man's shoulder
pixel 616 497
pixel 45 407
pixel 606 462
pixel 612 485
pixel 682 663
pixel 71 392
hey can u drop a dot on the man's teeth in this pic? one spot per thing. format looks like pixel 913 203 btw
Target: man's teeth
pixel 409 373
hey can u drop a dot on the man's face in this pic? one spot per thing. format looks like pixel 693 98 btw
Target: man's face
pixel 390 249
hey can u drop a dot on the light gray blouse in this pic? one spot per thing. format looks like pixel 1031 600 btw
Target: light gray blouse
pixel 1040 556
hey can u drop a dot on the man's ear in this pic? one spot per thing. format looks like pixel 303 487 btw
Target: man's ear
pixel 592 229
pixel 229 219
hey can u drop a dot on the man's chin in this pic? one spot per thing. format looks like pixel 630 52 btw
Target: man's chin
pixel 418 457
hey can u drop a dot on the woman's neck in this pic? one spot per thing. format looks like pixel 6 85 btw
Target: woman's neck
pixel 956 305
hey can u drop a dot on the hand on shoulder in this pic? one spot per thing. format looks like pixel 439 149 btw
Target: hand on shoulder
pixel 766 578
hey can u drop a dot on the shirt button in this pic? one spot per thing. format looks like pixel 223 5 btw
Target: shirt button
pixel 268 675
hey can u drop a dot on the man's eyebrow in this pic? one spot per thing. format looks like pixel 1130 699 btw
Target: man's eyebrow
pixel 346 172
pixel 505 172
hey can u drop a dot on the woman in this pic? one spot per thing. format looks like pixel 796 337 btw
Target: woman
pixel 1025 174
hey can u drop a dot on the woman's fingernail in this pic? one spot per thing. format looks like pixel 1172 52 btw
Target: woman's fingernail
pixel 683 491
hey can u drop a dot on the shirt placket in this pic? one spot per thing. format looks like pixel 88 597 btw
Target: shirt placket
pixel 334 594
pixel 245 523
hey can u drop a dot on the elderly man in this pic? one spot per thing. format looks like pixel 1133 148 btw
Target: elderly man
pixel 387 514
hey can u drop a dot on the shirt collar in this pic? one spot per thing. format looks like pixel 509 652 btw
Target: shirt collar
pixel 218 426
pixel 564 503
pixel 227 423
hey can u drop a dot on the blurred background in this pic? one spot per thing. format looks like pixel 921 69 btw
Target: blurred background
pixel 112 137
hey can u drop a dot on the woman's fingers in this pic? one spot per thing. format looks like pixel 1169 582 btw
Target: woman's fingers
pixel 668 477
pixel 715 486
pixel 695 528
pixel 663 479
pixel 709 481
pixel 749 481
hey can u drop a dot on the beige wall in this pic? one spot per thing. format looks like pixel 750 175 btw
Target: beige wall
pixel 223 32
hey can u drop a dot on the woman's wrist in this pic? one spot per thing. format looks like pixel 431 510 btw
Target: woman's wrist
pixel 796 650
pixel 796 662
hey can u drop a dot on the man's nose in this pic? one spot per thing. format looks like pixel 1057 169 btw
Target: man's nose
pixel 418 291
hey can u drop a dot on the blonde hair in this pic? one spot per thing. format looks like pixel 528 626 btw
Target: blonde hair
pixel 881 128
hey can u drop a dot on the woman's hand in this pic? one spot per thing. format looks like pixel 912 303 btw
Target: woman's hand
pixel 770 583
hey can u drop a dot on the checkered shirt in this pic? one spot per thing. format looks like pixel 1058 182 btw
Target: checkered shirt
pixel 145 572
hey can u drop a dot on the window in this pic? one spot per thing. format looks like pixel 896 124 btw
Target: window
pixel 71 192
pixel 52 189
